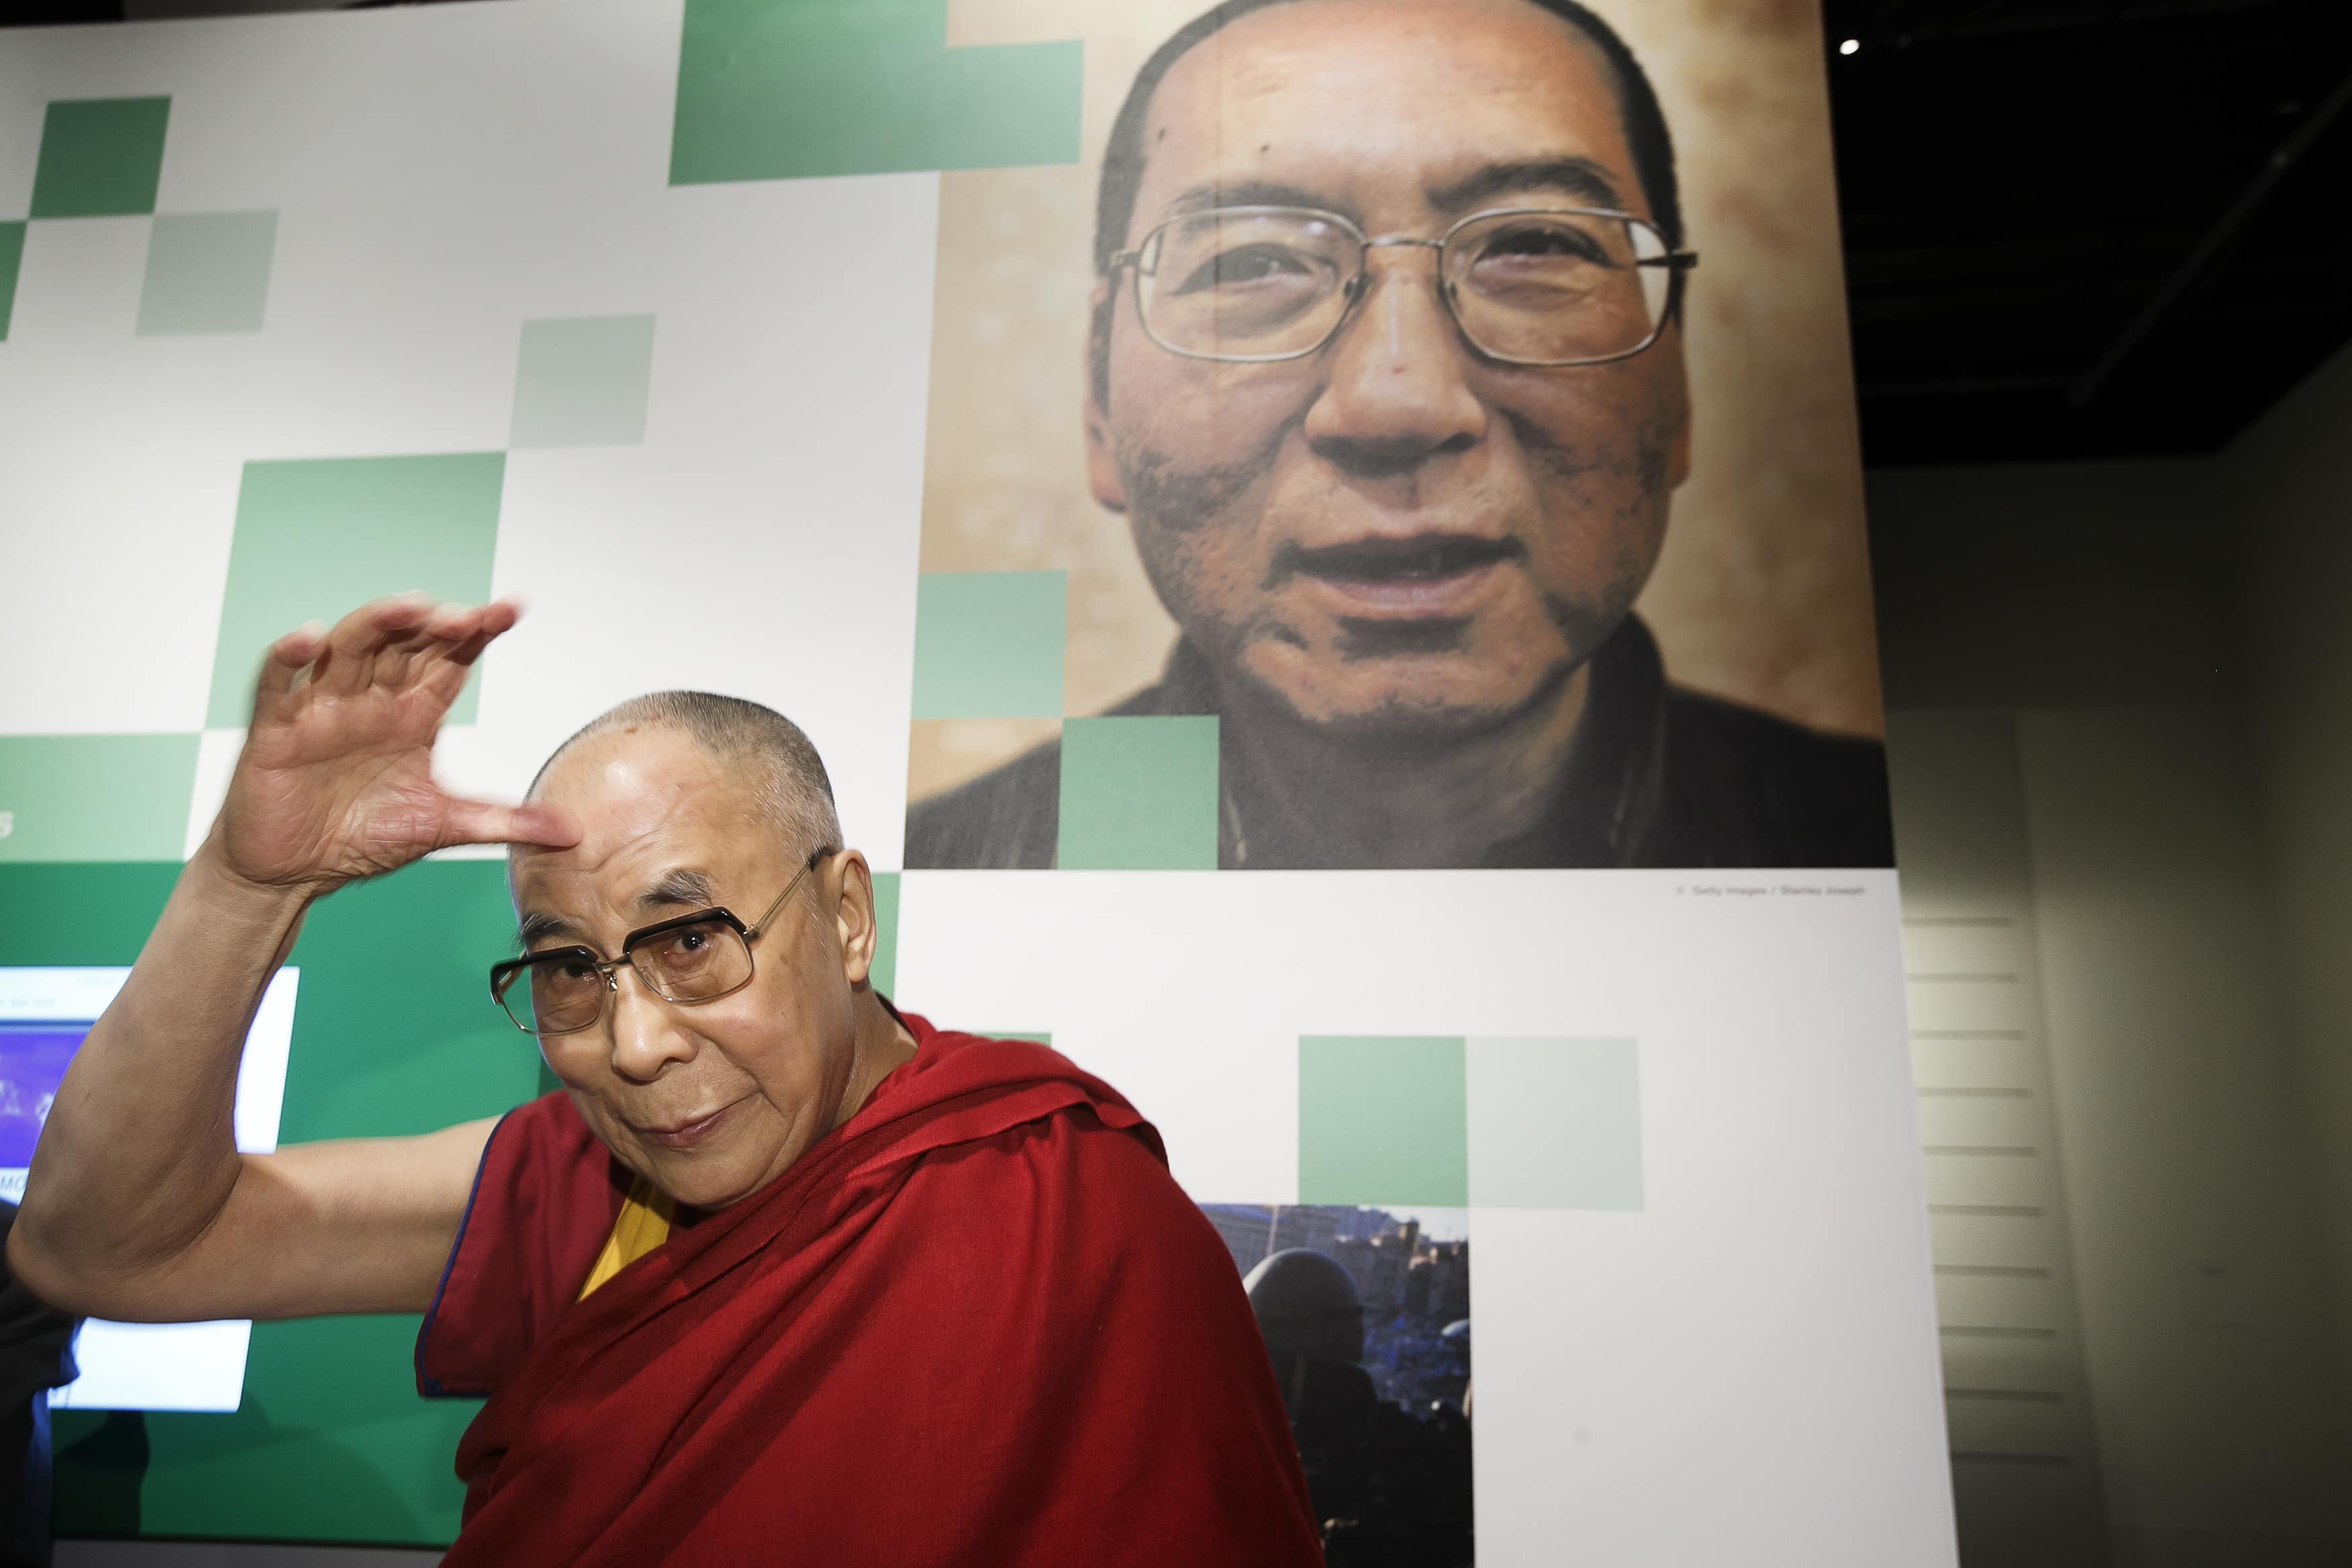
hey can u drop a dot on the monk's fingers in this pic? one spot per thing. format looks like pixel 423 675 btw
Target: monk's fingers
pixel 396 660
pixel 462 642
pixel 412 659
pixel 462 635
pixel 348 665
pixel 281 669
pixel 401 662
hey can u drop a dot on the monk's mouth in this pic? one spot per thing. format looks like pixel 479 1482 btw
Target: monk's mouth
pixel 686 1135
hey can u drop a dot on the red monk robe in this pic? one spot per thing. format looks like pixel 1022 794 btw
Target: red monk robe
pixel 977 1324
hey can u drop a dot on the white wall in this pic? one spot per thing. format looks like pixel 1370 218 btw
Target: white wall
pixel 2192 1188
pixel 2026 1479
pixel 2185 873
pixel 2290 487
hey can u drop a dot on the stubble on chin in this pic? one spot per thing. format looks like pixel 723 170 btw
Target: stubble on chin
pixel 1635 471
pixel 1185 517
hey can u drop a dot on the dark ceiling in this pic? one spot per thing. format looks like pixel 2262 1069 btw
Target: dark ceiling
pixel 2074 228
pixel 2088 228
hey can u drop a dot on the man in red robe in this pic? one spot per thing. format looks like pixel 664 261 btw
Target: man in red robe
pixel 781 1274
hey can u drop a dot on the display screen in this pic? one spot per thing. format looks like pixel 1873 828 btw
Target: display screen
pixel 44 1015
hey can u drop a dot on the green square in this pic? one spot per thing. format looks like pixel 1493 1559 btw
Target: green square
pixel 115 906
pixel 1555 1123
pixel 101 157
pixel 988 644
pixel 12 262
pixel 394 1032
pixel 583 381
pixel 795 89
pixel 331 1443
pixel 1383 1119
pixel 206 272
pixel 101 1459
pixel 95 797
pixel 1139 794
pixel 319 537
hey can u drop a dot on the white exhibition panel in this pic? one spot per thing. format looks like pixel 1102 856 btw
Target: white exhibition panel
pixel 1760 1336
pixel 1742 1370
pixel 459 172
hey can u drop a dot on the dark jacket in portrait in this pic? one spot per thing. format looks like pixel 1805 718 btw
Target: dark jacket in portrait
pixel 1659 776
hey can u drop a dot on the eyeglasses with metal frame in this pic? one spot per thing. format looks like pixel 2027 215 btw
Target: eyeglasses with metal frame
pixel 689 959
pixel 1538 287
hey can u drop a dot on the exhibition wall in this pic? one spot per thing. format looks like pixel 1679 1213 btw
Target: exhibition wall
pixel 1419 742
pixel 2117 694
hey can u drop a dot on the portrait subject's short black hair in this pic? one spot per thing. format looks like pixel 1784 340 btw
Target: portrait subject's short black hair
pixel 1646 136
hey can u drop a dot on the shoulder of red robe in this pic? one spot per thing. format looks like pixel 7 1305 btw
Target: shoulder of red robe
pixel 547 1191
pixel 982 1311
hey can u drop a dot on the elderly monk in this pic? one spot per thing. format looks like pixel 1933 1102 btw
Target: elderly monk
pixel 781 1275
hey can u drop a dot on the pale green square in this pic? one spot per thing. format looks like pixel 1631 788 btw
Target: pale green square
pixel 1139 794
pixel 583 381
pixel 319 537
pixel 95 797
pixel 1382 1120
pixel 988 644
pixel 1555 1123
pixel 206 272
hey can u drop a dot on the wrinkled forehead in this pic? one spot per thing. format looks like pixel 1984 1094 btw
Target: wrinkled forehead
pixel 1375 107
pixel 648 800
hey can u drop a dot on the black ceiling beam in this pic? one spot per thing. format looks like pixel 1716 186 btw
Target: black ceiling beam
pixel 2219 234
pixel 1999 19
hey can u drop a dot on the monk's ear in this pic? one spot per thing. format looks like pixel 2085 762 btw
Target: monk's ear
pixel 1102 466
pixel 853 918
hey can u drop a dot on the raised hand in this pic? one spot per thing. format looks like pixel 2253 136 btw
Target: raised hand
pixel 335 782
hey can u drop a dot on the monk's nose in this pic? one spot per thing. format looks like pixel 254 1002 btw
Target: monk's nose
pixel 646 1033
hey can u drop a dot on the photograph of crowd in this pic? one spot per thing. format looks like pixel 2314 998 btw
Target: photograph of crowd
pixel 1366 1316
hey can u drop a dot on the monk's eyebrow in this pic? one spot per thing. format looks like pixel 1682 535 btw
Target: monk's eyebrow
pixel 678 886
pixel 1580 179
pixel 535 928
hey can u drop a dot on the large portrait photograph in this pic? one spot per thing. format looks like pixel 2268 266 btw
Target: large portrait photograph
pixel 1420 435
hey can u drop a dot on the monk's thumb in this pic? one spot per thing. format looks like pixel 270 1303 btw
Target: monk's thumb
pixel 532 822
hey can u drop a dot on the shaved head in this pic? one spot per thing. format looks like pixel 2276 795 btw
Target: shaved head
pixel 770 752
pixel 691 804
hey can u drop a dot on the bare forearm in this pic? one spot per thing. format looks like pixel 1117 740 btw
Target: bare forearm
pixel 138 1204
pixel 139 1154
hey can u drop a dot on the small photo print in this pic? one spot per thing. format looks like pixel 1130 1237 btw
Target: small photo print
pixel 1366 1314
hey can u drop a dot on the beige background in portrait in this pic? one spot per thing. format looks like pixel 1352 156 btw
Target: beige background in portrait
pixel 1763 592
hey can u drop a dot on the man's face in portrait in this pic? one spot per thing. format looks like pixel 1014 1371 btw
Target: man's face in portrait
pixel 1392 534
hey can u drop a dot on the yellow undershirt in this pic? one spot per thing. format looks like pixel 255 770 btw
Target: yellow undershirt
pixel 641 1225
